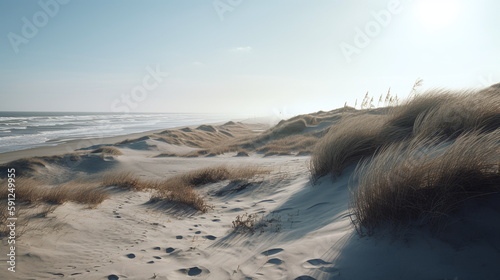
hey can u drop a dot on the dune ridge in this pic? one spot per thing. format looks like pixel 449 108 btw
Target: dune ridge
pixel 408 191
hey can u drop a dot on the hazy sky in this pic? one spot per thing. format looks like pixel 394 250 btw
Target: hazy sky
pixel 238 56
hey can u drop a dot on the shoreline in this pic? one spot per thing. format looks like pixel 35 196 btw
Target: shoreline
pixel 73 145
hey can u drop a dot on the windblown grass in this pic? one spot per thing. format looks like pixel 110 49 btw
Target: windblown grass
pixel 419 161
pixel 424 180
pixel 31 191
pixel 435 114
pixel 351 140
pixel 124 180
pixel 24 166
pixel 288 145
pixel 297 135
pixel 461 113
pixel 181 188
pixel 37 196
pixel 109 150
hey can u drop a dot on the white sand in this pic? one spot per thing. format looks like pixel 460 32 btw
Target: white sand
pixel 308 233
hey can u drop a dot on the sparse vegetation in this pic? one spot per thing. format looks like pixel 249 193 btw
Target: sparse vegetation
pixel 125 180
pixel 297 135
pixel 180 188
pixel 31 191
pixel 109 150
pixel 245 223
pixel 23 166
pixel 33 194
pixel 287 145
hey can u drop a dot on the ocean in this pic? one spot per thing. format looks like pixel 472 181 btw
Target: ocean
pixel 24 130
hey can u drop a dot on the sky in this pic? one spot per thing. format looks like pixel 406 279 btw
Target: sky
pixel 238 56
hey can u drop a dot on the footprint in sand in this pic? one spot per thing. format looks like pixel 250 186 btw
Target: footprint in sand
pixel 169 250
pixel 150 262
pixel 178 237
pixel 197 232
pixel 131 256
pixel 113 277
pixel 216 220
pixel 274 261
pixel 271 252
pixel 210 237
pixel 156 257
pixel 305 277
pixel 156 248
pixel 313 263
pixel 321 265
pixel 194 271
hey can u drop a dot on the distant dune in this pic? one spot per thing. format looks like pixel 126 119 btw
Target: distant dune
pixel 403 192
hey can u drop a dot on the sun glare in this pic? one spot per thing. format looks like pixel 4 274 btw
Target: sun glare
pixel 437 13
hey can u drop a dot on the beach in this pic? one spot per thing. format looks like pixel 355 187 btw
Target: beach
pixel 230 200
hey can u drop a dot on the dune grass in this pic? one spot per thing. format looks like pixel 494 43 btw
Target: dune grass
pixel 347 142
pixel 23 166
pixel 288 145
pixel 31 191
pixel 181 188
pixel 416 162
pixel 32 194
pixel 109 150
pixel 435 114
pixel 464 112
pixel 424 181
pixel 123 180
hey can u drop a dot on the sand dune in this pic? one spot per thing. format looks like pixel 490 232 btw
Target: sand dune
pixel 243 201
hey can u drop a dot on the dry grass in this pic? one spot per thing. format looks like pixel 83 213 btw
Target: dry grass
pixel 460 113
pixel 425 180
pixel 401 119
pixel 178 191
pixel 296 135
pixel 125 180
pixel 24 167
pixel 420 160
pixel 109 150
pixel 288 145
pixel 347 142
pixel 214 151
pixel 245 223
pixel 286 128
pixel 436 114
pixel 45 198
pixel 78 192
pixel 31 191
pixel 180 188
